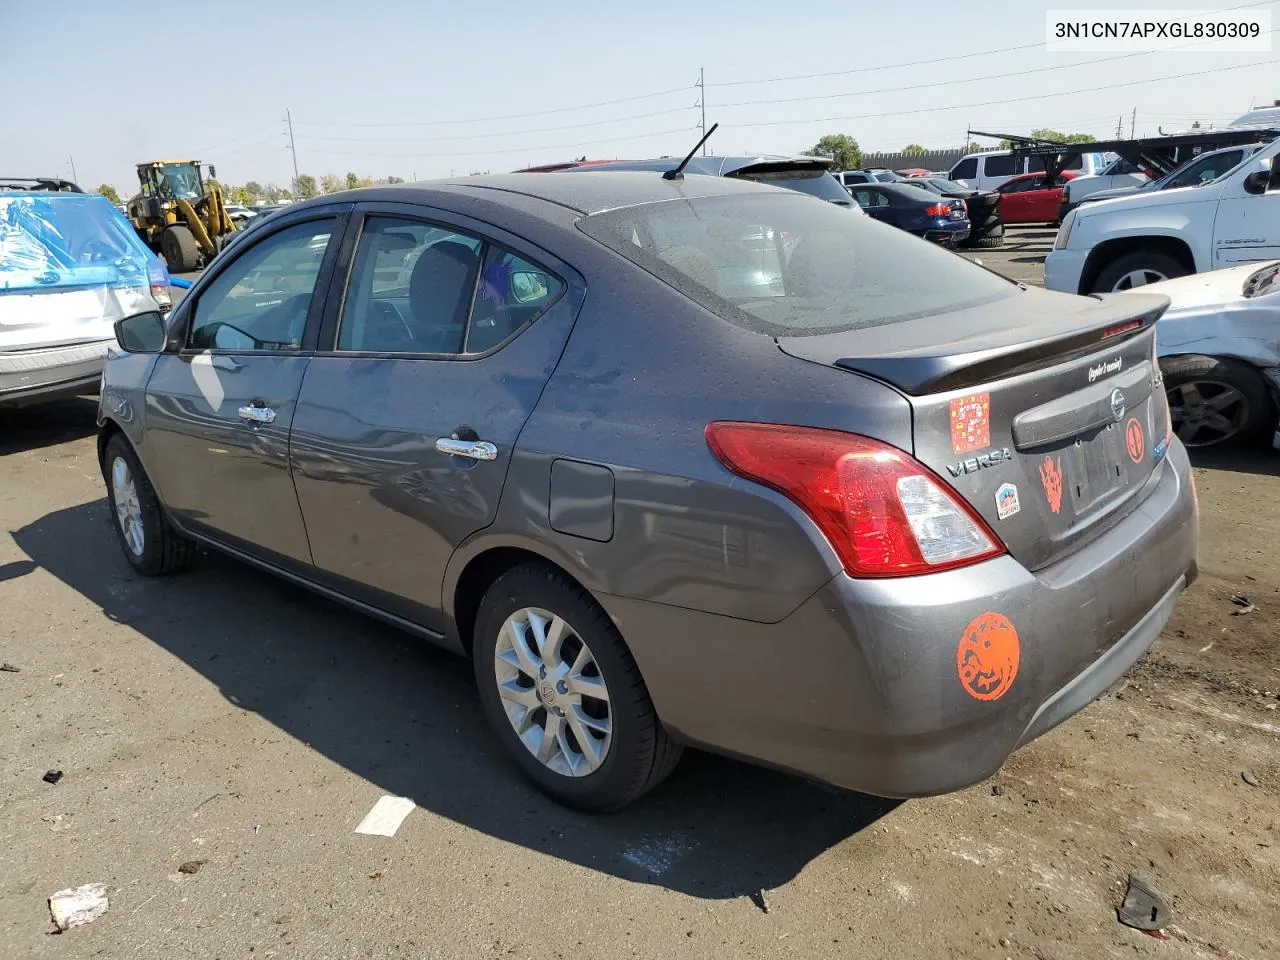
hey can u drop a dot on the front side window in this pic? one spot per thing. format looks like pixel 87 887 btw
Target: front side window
pixel 966 169
pixel 421 288
pixel 260 301
pixel 781 265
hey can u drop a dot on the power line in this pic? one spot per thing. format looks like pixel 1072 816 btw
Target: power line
pixel 504 133
pixel 924 63
pixel 222 143
pixel 994 103
pixel 525 149
pixel 950 82
pixel 508 116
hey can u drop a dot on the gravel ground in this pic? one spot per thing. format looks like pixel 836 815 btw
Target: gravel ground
pixel 233 723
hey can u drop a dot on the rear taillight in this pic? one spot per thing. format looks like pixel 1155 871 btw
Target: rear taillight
pixel 938 210
pixel 884 513
pixel 159 277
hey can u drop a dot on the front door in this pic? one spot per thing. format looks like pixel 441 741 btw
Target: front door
pixel 1247 227
pixel 219 411
pixel 405 427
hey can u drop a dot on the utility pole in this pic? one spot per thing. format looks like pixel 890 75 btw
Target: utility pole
pixel 288 118
pixel 702 101
pixel 72 160
pixel 1119 127
pixel 1133 122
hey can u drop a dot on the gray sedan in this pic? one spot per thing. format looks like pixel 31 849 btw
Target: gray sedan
pixel 689 461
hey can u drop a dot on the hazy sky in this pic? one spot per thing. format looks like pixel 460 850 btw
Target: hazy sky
pixel 428 88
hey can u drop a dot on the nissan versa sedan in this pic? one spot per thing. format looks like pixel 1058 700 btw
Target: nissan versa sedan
pixel 674 461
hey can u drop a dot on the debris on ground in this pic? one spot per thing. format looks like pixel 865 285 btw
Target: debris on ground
pixel 52 776
pixel 1243 603
pixel 760 900
pixel 9 668
pixel 192 866
pixel 1248 777
pixel 1144 907
pixel 74 907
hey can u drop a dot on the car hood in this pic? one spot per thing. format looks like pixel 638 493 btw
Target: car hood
pixel 1209 314
pixel 1148 199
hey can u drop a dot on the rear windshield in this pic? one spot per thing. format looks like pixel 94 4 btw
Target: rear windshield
pixel 786 266
pixel 816 183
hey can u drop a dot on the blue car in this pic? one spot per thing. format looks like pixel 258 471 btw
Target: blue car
pixel 70 267
pixel 913 209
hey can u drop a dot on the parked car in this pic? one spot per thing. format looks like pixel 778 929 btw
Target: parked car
pixel 1204 168
pixel 851 178
pixel 986 228
pixel 665 484
pixel 809 175
pixel 1162 234
pixel 1121 173
pixel 1219 345
pixel 915 210
pixel 70 266
pixel 986 171
pixel 240 214
pixel 1032 197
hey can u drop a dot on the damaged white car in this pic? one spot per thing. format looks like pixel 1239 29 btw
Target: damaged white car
pixel 1219 346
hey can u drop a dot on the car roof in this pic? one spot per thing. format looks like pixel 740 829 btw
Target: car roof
pixel 589 191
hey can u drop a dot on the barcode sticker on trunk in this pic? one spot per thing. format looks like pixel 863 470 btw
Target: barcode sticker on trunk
pixel 971 423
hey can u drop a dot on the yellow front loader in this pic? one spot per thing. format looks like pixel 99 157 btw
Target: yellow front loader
pixel 179 215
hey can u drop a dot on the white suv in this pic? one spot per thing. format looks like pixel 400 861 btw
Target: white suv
pixel 986 171
pixel 1160 234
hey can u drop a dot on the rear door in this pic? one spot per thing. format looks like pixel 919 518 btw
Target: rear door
pixel 219 412
pixel 431 362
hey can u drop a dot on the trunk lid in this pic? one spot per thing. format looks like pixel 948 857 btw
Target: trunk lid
pixel 1044 411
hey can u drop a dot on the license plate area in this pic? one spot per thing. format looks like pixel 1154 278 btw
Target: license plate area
pixel 1096 467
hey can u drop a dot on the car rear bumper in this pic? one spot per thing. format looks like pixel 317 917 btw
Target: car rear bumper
pixel 950 233
pixel 861 685
pixel 28 376
pixel 1062 270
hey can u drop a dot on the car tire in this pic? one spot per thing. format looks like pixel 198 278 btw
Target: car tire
pixel 150 543
pixel 517 688
pixel 1203 391
pixel 1122 273
pixel 181 253
pixel 988 242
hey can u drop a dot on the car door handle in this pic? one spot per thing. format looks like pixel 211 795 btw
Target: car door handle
pixel 471 449
pixel 257 415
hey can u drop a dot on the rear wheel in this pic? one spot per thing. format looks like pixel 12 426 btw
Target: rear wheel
pixel 150 543
pixel 181 254
pixel 989 242
pixel 1216 400
pixel 1138 269
pixel 564 694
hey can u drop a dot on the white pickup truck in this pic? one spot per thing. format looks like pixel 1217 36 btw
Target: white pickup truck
pixel 1148 237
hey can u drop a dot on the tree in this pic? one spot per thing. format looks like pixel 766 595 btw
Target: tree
pixel 254 190
pixel 352 181
pixel 1044 133
pixel 240 195
pixel 332 183
pixel 913 150
pixel 840 148
pixel 305 186
pixel 109 192
pixel 973 147
pixel 395 179
pixel 271 193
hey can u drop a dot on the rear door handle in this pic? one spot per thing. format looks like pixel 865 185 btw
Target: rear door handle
pixel 257 415
pixel 471 449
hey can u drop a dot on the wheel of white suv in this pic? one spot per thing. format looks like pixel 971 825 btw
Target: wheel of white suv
pixel 150 543
pixel 564 694
pixel 1137 269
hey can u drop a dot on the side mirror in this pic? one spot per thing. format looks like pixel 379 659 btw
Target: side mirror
pixel 213 172
pixel 1261 179
pixel 141 333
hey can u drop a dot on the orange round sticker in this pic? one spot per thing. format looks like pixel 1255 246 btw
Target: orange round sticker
pixel 987 658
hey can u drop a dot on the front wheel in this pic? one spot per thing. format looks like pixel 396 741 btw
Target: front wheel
pixel 564 694
pixel 1138 269
pixel 150 543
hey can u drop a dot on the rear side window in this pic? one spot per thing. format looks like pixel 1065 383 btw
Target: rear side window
pixel 816 183
pixel 785 266
pixel 998 165
pixel 966 169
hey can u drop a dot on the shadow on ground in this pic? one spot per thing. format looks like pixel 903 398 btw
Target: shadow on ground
pixel 46 424
pixel 1258 459
pixel 404 716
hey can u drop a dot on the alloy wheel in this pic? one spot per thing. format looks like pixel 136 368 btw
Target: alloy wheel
pixel 124 495
pixel 1138 278
pixel 553 692
pixel 1206 412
